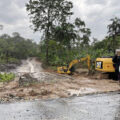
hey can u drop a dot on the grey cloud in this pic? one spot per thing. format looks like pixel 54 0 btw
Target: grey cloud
pixel 14 18
pixel 10 12
pixel 100 2
pixel 21 3
pixel 98 15
pixel 95 13
pixel 114 2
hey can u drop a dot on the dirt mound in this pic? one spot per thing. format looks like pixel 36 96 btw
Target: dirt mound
pixel 50 77
pixel 26 80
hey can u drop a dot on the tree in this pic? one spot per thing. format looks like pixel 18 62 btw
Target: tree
pixel 83 33
pixel 65 34
pixel 16 34
pixel 45 14
pixel 1 27
pixel 114 31
pixel 72 34
pixel 16 47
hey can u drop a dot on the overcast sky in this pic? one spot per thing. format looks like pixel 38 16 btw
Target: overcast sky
pixel 95 13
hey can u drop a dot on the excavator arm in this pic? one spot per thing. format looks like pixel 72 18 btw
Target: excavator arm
pixel 88 61
pixel 73 63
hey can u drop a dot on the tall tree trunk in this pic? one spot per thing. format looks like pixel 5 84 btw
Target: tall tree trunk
pixel 114 43
pixel 47 50
pixel 7 56
pixel 47 46
pixel 47 38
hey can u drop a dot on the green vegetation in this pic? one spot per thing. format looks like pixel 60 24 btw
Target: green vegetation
pixel 62 40
pixel 6 77
pixel 60 54
pixel 46 15
pixel 13 48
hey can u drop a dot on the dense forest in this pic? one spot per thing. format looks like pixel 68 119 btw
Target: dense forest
pixel 13 48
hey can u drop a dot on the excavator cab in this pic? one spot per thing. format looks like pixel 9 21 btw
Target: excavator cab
pixel 104 64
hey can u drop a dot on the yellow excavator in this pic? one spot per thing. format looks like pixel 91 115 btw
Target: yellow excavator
pixel 69 69
pixel 105 64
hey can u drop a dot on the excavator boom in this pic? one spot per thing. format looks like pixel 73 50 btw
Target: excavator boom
pixel 88 60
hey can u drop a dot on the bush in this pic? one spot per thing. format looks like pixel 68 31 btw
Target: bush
pixel 13 60
pixel 6 77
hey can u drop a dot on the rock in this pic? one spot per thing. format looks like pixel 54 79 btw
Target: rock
pixel 26 80
pixel 33 93
pixel 11 95
pixel 45 92
pixel 20 95
pixel 16 79
pixel 21 90
pixel 69 94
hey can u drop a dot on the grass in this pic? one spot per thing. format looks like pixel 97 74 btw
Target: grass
pixel 6 77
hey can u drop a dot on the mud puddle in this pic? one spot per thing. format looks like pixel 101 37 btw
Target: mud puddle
pixel 95 107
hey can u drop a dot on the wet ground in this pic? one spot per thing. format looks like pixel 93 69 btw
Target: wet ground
pixel 34 68
pixel 95 107
pixel 33 82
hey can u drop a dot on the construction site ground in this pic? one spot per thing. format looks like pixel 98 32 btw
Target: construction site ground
pixel 32 82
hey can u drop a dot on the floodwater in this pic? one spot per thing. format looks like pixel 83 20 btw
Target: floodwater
pixel 91 107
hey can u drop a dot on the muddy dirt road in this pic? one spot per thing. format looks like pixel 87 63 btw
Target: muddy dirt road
pixel 95 107
pixel 33 82
pixel 34 68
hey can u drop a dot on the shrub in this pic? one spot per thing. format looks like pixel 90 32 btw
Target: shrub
pixel 6 77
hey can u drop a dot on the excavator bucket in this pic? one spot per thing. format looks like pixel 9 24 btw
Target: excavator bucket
pixel 62 70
